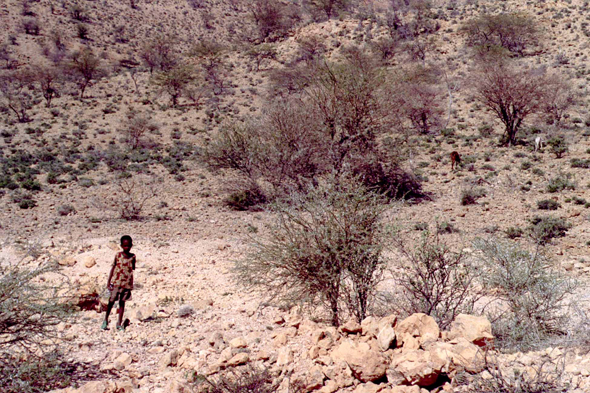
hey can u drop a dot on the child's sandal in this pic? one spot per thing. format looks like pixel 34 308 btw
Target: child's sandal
pixel 120 328
pixel 105 325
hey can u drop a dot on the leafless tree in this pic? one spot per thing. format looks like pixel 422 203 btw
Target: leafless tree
pixel 48 78
pixel 16 89
pixel 85 67
pixel 511 93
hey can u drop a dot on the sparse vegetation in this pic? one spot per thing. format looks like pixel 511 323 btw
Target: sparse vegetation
pixel 530 293
pixel 544 229
pixel 437 281
pixel 325 249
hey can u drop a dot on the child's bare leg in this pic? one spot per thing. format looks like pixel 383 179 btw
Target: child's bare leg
pixel 121 311
pixel 108 312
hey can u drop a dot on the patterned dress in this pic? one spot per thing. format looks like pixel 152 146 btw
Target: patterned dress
pixel 123 273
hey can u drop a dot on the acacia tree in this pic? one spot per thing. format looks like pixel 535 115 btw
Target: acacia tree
pixel 513 32
pixel 325 249
pixel 48 78
pixel 175 81
pixel 160 54
pixel 85 67
pixel 511 93
pixel 15 88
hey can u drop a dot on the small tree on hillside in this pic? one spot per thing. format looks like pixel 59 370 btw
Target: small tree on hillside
pixel 16 89
pixel 511 93
pixel 47 78
pixel 160 54
pixel 136 126
pixel 174 81
pixel 29 306
pixel 325 249
pixel 85 67
pixel 513 32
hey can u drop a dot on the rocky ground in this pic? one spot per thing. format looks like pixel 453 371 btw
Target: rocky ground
pixel 188 315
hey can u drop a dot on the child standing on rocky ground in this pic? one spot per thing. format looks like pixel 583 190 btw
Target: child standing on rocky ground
pixel 120 281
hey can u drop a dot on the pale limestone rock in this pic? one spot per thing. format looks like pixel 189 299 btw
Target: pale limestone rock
pixel 386 338
pixel 477 330
pixel 175 386
pixel 315 378
pixel 169 359
pixel 370 326
pixel 89 261
pixel 284 357
pixel 388 321
pixel 368 387
pixel 122 361
pixel 238 359
pixel 144 312
pixel 226 355
pixel 317 335
pixel 420 326
pixel 366 363
pixel 280 340
pixel 414 367
pixel 98 387
pixel 468 356
pixel 329 387
pixel 351 327
pixel 403 389
pixel 67 261
pixel 238 342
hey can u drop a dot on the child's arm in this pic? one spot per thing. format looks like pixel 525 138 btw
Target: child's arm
pixel 109 286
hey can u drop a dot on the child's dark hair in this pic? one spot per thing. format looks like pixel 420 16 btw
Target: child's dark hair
pixel 126 237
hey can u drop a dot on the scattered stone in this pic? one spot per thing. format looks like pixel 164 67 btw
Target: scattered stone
pixel 67 261
pixel 351 327
pixel 284 357
pixel 169 359
pixel 89 261
pixel 185 310
pixel 366 363
pixel 386 338
pixel 122 361
pixel 238 359
pixel 413 367
pixel 238 343
pixel 477 330
pixel 420 326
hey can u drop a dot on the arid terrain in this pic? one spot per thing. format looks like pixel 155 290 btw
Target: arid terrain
pixel 113 116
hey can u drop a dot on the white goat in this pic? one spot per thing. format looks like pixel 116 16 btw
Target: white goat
pixel 538 143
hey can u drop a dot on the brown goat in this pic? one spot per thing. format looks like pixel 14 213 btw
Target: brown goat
pixel 455 159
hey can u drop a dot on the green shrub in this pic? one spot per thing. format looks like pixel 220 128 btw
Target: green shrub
pixel 31 185
pixel 538 172
pixel 23 200
pixel 513 232
pixel 471 195
pixel 325 249
pixel 65 210
pixel 249 199
pixel 526 165
pixel 558 146
pixel 421 226
pixel 35 375
pixel 580 163
pixel 446 227
pixel 548 204
pixel 252 379
pixel 578 200
pixel 436 281
pixel 532 292
pixel 563 181
pixel 544 229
